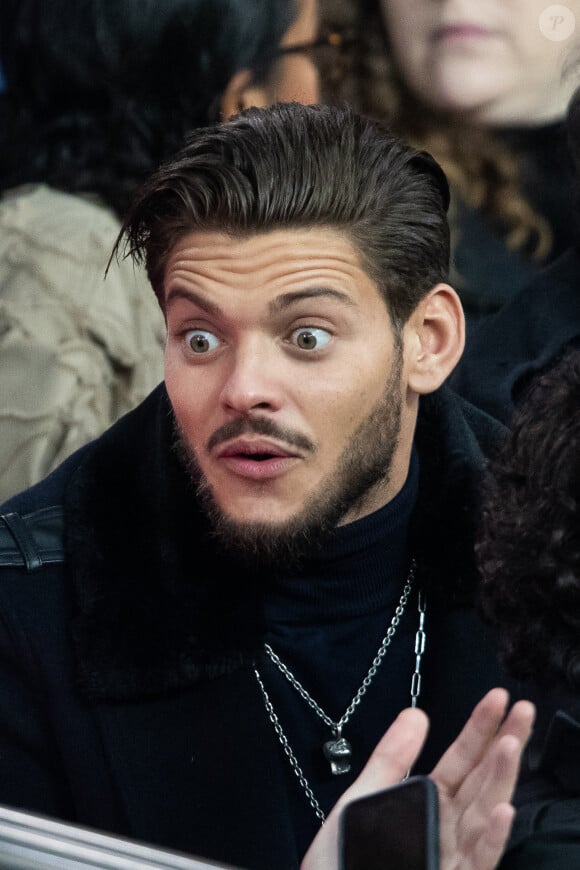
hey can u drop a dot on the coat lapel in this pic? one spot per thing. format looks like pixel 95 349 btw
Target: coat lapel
pixel 156 606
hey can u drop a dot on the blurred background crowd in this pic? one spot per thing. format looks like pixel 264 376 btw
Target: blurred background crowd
pixel 95 93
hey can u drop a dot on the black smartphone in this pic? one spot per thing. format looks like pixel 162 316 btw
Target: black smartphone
pixel 393 829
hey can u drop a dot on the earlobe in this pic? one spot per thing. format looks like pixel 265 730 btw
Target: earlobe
pixel 437 338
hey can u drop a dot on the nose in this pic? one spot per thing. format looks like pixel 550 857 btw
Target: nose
pixel 253 381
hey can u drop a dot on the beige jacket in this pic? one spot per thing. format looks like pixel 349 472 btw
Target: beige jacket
pixel 77 350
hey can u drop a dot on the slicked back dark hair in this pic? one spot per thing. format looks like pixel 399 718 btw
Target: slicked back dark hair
pixel 294 166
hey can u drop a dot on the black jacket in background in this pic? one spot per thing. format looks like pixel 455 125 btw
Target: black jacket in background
pixel 508 347
pixel 487 273
pixel 546 833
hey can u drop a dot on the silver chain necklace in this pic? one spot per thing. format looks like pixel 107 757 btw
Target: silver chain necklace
pixel 338 751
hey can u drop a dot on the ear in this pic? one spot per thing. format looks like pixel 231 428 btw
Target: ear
pixel 241 94
pixel 434 338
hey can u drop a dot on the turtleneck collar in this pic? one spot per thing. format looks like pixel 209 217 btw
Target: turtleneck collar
pixel 360 569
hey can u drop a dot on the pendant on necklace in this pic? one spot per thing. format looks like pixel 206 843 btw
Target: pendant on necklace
pixel 338 752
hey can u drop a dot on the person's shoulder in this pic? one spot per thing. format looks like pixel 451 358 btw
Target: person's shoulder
pixel 541 297
pixel 59 279
pixel 530 329
pixel 33 208
pixel 54 233
pixel 32 521
pixel 124 434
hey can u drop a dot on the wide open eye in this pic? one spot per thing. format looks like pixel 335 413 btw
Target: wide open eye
pixel 201 341
pixel 310 338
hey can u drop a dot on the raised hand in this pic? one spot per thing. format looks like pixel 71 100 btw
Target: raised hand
pixel 475 779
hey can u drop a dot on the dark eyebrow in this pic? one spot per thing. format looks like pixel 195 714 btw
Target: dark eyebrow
pixel 195 298
pixel 287 299
pixel 279 304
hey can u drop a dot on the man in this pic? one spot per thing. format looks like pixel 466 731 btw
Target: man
pixel 268 560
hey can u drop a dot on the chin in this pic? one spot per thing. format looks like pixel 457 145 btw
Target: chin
pixel 266 544
pixel 265 519
pixel 252 510
pixel 465 92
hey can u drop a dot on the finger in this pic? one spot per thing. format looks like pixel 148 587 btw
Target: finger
pixel 467 750
pixel 498 782
pixel 394 754
pixel 496 789
pixel 461 760
pixel 518 726
pixel 490 846
pixel 392 757
pixel 519 721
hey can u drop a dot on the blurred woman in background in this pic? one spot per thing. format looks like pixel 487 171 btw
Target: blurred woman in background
pixel 483 85
pixel 537 324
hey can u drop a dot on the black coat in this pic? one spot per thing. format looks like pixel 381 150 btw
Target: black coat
pixel 487 272
pixel 127 697
pixel 507 348
pixel 546 834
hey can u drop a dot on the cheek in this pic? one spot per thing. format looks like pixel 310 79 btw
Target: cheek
pixel 407 26
pixel 192 400
pixel 338 412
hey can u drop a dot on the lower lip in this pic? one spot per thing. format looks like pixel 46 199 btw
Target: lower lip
pixel 459 35
pixel 267 469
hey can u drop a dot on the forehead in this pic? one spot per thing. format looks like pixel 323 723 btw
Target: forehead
pixel 266 263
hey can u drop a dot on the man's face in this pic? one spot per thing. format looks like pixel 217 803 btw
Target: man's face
pixel 286 380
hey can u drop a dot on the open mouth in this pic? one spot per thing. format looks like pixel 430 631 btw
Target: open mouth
pixel 258 457
pixel 256 451
pixel 257 460
pixel 261 456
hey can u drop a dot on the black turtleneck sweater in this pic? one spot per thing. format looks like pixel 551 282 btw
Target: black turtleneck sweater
pixel 326 623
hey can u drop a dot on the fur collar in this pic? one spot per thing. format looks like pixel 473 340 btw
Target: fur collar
pixel 453 439
pixel 157 607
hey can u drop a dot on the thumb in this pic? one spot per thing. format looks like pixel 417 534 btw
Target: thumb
pixel 394 754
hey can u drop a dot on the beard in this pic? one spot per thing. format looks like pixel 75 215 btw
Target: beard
pixel 365 462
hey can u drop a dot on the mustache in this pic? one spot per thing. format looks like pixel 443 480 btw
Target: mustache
pixel 258 426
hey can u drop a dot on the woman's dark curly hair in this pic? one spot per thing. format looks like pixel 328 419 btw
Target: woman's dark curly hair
pixel 99 92
pixel 528 546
